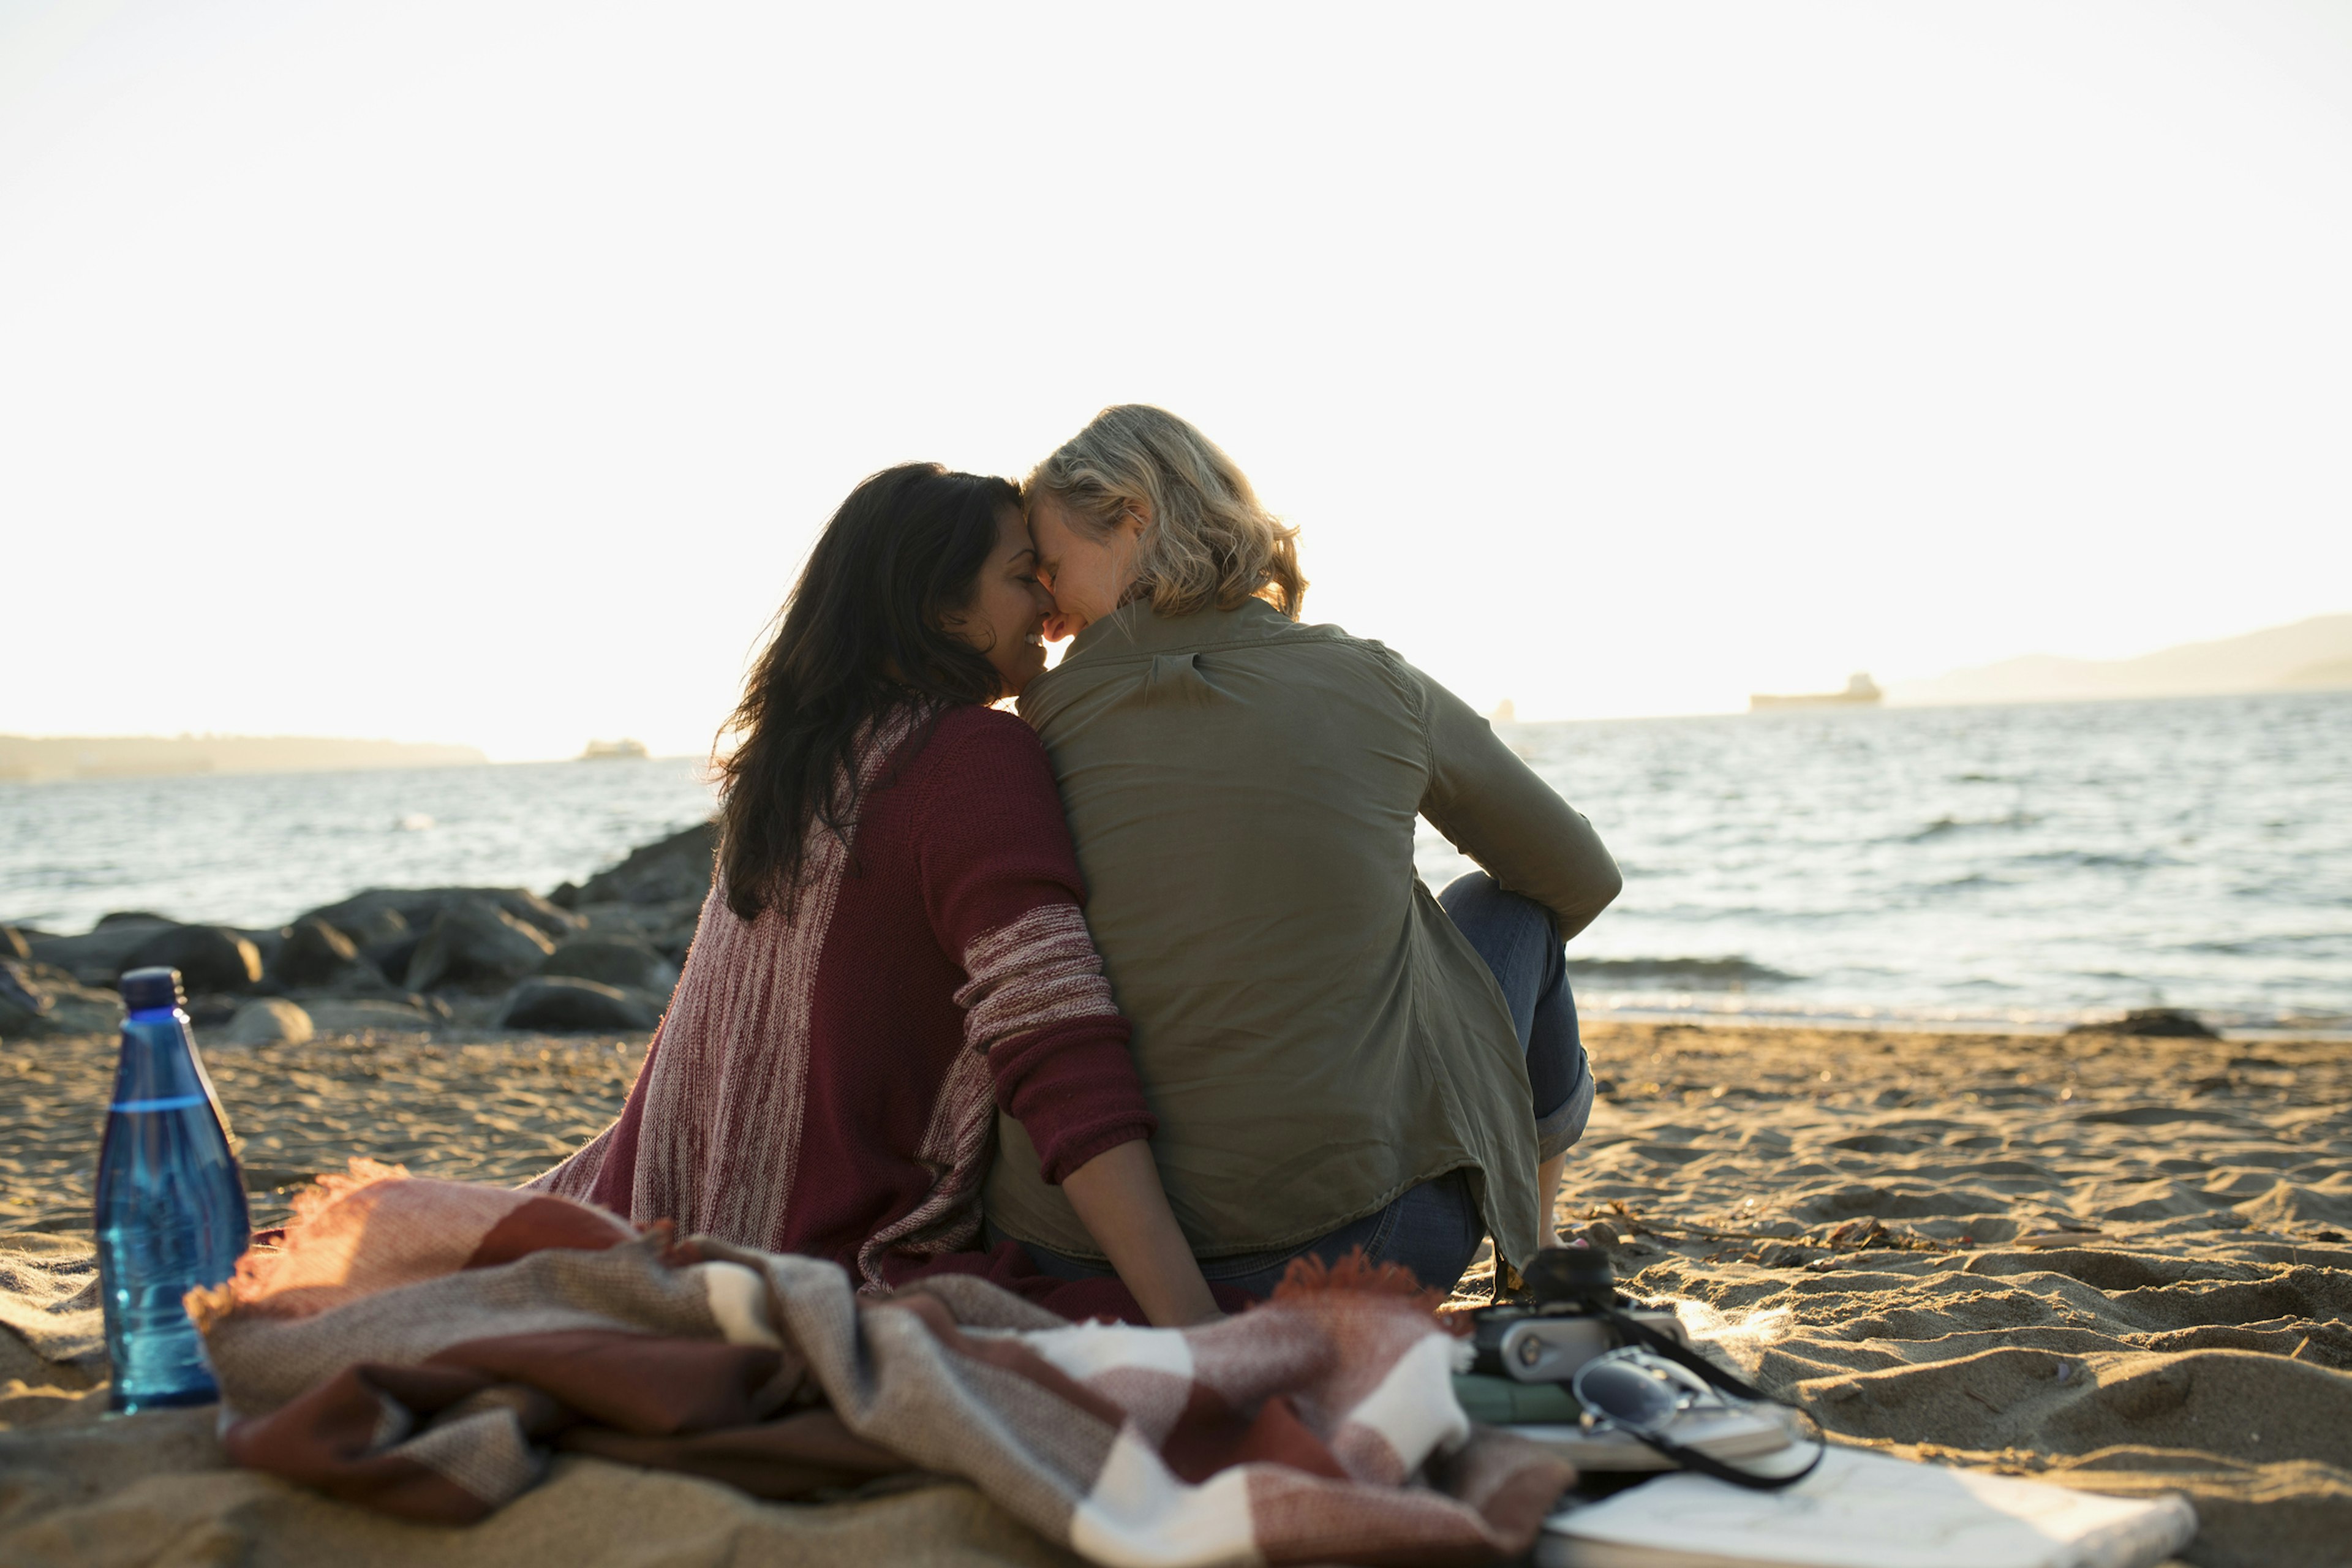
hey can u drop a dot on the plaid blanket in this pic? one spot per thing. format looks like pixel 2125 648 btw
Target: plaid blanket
pixel 422 1347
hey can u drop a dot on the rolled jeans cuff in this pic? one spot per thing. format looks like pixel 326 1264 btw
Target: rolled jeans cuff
pixel 1557 1132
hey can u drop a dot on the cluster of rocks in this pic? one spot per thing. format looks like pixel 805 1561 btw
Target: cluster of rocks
pixel 600 957
pixel 2153 1023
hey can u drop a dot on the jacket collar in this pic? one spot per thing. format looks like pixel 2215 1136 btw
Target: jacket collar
pixel 1136 632
pixel 1137 628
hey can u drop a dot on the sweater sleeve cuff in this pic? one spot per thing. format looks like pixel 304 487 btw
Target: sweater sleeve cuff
pixel 1074 1090
pixel 1072 1152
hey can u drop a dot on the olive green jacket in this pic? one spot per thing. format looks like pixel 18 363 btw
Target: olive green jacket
pixel 1313 1033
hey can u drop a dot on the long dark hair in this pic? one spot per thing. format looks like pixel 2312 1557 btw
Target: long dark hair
pixel 858 637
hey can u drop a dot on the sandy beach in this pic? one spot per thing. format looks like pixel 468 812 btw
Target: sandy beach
pixel 2121 1263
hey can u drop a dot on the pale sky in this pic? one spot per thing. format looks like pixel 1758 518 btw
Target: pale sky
pixel 480 371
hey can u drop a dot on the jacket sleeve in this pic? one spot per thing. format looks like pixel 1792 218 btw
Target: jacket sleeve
pixel 1494 808
pixel 1001 887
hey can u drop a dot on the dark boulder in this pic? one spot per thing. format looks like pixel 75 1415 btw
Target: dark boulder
pixel 209 958
pixel 42 999
pixel 566 1004
pixel 393 958
pixel 378 914
pixel 2156 1023
pixel 316 956
pixel 375 927
pixel 14 945
pixel 98 957
pixel 475 942
pixel 532 909
pixel 23 1000
pixel 209 1013
pixel 267 1021
pixel 133 917
pixel 360 916
pixel 622 961
pixel 267 940
pixel 667 929
pixel 677 937
pixel 663 872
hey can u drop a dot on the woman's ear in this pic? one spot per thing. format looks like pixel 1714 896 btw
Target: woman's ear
pixel 1137 519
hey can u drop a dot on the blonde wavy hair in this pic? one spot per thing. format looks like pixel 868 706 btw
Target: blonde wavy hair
pixel 1208 540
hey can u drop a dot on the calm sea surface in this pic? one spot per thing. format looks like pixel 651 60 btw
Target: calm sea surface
pixel 257 849
pixel 2021 865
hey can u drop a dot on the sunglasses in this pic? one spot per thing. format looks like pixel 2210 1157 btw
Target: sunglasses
pixel 1637 1391
pixel 1644 1395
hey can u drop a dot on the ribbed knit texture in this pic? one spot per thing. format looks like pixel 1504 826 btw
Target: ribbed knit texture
pixel 826 1081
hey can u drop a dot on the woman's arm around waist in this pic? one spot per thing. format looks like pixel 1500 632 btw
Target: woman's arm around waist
pixel 1002 884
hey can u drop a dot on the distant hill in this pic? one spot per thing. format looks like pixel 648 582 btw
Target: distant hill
pixel 2334 672
pixel 43 758
pixel 2310 654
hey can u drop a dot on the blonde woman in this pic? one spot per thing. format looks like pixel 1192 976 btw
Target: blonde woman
pixel 1336 1058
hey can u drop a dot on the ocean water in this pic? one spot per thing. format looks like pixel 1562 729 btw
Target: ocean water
pixel 255 849
pixel 2021 865
pixel 2031 864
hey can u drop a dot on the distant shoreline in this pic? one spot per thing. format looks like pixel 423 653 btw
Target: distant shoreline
pixel 65 759
pixel 2310 654
pixel 26 759
pixel 1897 703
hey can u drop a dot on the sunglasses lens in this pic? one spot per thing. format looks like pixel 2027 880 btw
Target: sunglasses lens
pixel 1631 1397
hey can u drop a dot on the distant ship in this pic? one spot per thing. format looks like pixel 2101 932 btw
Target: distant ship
pixel 1859 688
pixel 614 752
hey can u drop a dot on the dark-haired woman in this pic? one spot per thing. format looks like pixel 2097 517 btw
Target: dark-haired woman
pixel 893 948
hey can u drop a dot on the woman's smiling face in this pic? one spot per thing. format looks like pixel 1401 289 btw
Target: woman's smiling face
pixel 1087 576
pixel 1005 618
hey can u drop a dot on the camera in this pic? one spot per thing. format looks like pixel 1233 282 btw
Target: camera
pixel 1576 1297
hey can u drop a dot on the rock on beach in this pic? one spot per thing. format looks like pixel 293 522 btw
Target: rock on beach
pixel 663 872
pixel 601 956
pixel 628 961
pixel 562 1005
pixel 316 955
pixel 267 1021
pixel 361 917
pixel 2155 1023
pixel 42 999
pixel 380 924
pixel 393 958
pixel 98 956
pixel 476 942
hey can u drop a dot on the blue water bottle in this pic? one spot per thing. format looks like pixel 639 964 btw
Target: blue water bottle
pixel 171 1202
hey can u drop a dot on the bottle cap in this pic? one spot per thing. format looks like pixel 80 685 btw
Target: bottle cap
pixel 144 990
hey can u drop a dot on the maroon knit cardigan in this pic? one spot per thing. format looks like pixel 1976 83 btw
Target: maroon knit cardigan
pixel 826 1081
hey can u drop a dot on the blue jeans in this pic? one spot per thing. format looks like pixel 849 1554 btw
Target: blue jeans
pixel 1435 1228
